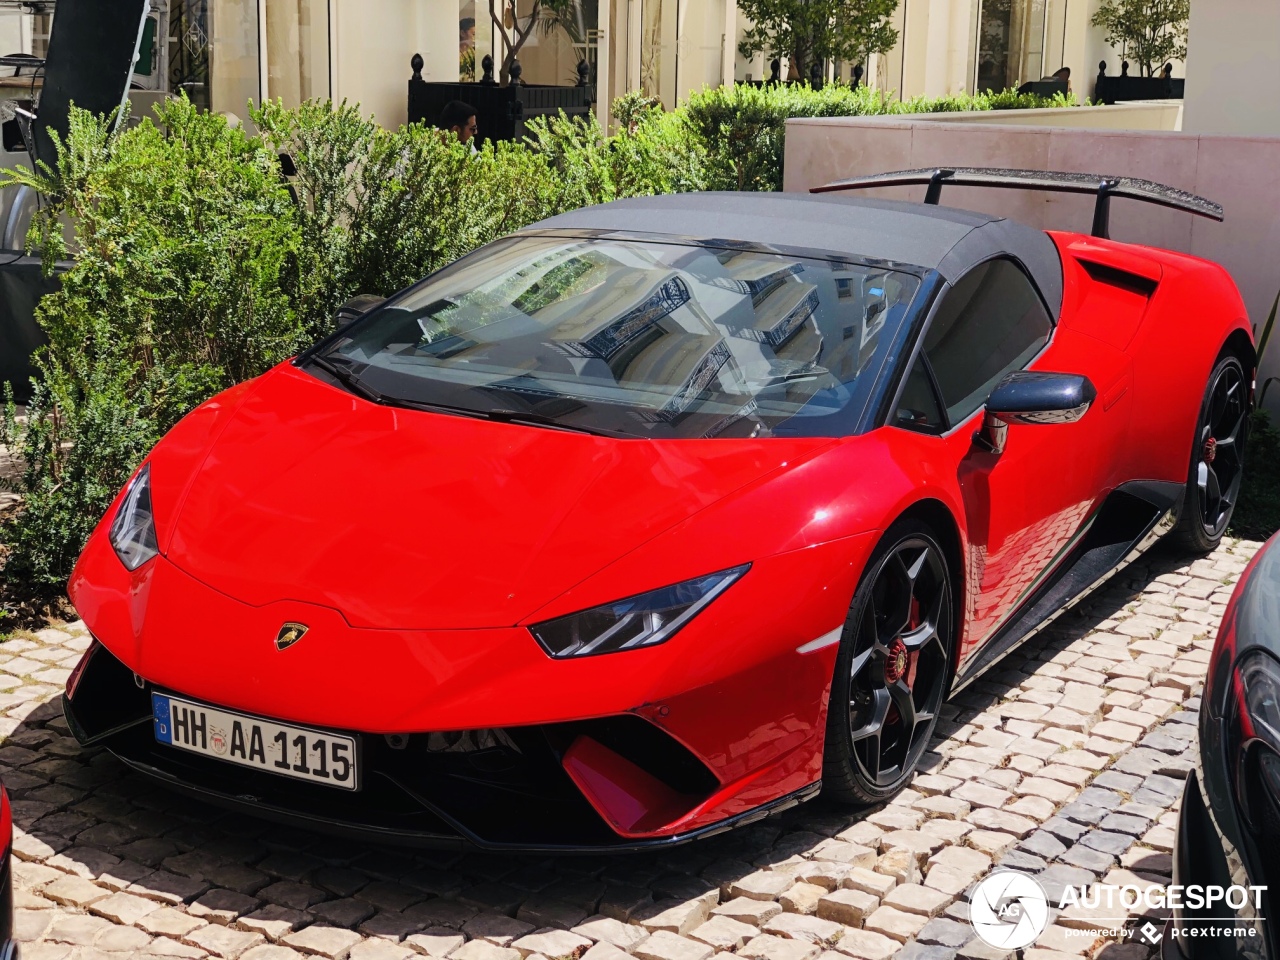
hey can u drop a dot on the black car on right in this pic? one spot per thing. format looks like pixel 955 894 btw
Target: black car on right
pixel 1229 827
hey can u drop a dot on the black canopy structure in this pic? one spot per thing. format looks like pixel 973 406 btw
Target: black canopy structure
pixel 1100 186
pixel 93 46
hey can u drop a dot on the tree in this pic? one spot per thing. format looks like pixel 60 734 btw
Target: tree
pixel 811 31
pixel 577 18
pixel 507 25
pixel 1150 32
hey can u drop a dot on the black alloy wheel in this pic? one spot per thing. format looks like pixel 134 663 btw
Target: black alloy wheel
pixel 893 670
pixel 1217 457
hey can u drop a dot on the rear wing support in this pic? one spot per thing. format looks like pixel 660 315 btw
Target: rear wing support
pixel 1101 187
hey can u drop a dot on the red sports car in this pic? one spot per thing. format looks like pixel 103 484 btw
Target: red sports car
pixel 657 516
pixel 8 944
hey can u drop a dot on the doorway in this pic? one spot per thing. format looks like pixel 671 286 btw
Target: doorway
pixel 1011 35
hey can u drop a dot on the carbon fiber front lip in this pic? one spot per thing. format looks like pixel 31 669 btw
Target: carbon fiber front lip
pixel 465 838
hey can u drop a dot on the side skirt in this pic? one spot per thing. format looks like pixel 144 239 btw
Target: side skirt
pixel 1132 518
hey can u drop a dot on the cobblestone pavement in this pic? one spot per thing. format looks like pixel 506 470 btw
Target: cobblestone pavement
pixel 1067 760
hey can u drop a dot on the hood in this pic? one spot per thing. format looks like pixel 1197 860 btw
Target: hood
pixel 414 520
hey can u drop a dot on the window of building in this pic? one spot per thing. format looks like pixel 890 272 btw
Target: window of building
pixel 1011 36
pixel 682 47
pixel 23 33
pixel 991 323
pixel 297 50
pixel 568 33
pixel 218 49
pixel 221 63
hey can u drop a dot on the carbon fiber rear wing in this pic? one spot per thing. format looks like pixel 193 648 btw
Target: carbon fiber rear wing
pixel 1101 187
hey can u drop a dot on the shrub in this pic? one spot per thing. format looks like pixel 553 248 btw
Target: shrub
pixel 653 154
pixel 180 238
pixel 377 209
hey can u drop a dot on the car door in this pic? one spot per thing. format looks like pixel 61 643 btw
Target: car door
pixel 1024 505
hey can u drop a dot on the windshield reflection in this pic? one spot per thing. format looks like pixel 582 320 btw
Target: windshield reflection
pixel 632 338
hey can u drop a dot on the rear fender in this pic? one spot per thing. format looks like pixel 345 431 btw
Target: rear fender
pixel 1192 316
pixel 1172 313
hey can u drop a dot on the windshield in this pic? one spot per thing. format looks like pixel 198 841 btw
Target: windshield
pixel 633 338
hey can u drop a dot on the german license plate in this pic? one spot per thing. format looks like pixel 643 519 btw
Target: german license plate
pixel 302 753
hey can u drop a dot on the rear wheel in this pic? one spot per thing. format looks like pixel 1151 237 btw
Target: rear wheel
pixel 893 669
pixel 1217 457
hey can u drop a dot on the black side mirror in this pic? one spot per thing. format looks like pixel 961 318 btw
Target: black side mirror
pixel 355 307
pixel 1031 397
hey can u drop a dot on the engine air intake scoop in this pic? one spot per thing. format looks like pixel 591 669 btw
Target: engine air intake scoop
pixel 1051 181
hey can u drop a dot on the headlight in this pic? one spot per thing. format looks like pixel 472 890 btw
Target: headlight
pixel 1260 684
pixel 133 532
pixel 641 621
pixel 1258 739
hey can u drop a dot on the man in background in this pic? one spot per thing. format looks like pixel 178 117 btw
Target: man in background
pixel 459 118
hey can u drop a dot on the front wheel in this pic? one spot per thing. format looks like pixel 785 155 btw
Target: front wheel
pixel 893 669
pixel 1217 457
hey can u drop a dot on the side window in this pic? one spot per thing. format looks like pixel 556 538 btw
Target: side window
pixel 918 407
pixel 991 323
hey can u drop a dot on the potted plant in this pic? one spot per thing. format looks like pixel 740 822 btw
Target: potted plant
pixel 811 32
pixel 1151 34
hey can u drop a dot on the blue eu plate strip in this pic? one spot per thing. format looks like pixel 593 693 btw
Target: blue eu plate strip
pixel 160 714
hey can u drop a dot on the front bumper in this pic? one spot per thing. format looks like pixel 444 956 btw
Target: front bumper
pixel 1203 856
pixel 558 787
pixel 659 745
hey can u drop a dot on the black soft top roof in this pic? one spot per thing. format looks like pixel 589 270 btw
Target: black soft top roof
pixel 945 239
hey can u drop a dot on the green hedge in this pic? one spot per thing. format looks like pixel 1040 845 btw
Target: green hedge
pixel 196 266
pixel 741 128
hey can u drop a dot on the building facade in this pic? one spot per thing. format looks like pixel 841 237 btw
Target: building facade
pixel 967 46
pixel 226 53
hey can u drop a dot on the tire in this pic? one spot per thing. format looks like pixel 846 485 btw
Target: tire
pixel 893 671
pixel 1217 457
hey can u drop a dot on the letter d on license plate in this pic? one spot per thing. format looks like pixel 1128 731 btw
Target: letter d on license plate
pixel 302 753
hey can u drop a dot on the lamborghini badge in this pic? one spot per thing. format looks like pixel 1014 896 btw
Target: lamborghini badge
pixel 290 634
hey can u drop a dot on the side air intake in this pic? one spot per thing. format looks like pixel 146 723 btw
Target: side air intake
pixel 1116 277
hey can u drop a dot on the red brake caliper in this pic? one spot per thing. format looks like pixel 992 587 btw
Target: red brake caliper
pixel 1210 450
pixel 897 662
pixel 901 662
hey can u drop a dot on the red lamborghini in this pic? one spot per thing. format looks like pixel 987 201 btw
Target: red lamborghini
pixel 658 516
